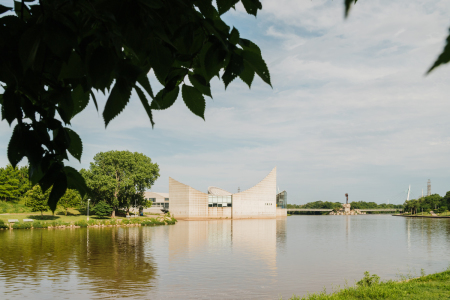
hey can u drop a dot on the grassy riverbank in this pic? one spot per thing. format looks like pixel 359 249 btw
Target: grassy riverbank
pixel 75 219
pixel 434 286
pixel 427 214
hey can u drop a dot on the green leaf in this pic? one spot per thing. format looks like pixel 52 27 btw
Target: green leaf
pixel 117 100
pixel 94 99
pixel 75 180
pixel 4 9
pixel 80 100
pixel 145 103
pixel 145 83
pixel 21 10
pixel 10 106
pixel 252 6
pixel 73 68
pixel 348 4
pixel 194 100
pixel 165 99
pixel 247 74
pixel 225 5
pixel 50 176
pixel 161 59
pixel 65 104
pixel 256 62
pixel 101 66
pixel 214 60
pixel 443 58
pixel 200 83
pixel 16 146
pixel 234 68
pixel 58 190
pixel 249 46
pixel 75 146
pixel 234 36
pixel 28 47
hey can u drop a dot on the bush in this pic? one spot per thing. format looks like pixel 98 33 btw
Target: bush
pixel 26 225
pixel 81 223
pixel 3 225
pixel 368 280
pixel 102 209
pixel 39 224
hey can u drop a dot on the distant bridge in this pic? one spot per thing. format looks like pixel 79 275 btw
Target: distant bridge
pixel 289 210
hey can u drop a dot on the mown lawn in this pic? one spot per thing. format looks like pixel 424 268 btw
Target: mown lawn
pixel 434 286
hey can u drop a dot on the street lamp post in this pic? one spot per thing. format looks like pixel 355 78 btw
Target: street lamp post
pixel 88 210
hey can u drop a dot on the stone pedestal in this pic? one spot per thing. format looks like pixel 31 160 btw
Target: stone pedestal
pixel 346 208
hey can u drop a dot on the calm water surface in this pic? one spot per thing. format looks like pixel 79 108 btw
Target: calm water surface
pixel 224 259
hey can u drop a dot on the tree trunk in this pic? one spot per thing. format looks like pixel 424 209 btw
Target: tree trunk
pixel 113 214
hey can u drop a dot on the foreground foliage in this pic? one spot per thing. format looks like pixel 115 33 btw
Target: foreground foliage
pixel 56 54
pixel 434 286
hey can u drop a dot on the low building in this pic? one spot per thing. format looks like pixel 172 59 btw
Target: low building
pixel 160 201
pixel 259 201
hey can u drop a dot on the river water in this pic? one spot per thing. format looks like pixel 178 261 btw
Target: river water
pixel 218 259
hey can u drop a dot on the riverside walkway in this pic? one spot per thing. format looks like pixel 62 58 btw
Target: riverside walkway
pixel 289 210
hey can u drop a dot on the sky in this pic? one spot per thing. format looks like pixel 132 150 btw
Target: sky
pixel 351 109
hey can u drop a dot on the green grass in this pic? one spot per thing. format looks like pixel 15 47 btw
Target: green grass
pixel 8 207
pixel 444 214
pixel 434 286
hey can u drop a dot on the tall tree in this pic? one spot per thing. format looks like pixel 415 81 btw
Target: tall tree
pixel 37 200
pixel 120 178
pixel 55 54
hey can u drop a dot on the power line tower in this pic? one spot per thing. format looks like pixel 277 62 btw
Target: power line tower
pixel 429 187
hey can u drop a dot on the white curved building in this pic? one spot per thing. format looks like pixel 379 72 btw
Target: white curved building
pixel 256 202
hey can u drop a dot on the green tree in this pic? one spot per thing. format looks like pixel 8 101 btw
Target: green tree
pixel 37 200
pixel 120 178
pixel 102 209
pixel 14 183
pixel 55 54
pixel 70 199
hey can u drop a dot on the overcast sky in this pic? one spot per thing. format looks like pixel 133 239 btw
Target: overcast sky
pixel 351 110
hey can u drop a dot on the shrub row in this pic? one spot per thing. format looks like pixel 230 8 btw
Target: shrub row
pixel 84 223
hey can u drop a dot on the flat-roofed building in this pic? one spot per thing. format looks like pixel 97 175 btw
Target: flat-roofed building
pixel 159 201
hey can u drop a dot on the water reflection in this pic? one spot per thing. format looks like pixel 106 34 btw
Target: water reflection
pixel 98 262
pixel 221 259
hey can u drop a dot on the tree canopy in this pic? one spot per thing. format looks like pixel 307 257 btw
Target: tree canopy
pixel 120 178
pixel 14 183
pixel 56 54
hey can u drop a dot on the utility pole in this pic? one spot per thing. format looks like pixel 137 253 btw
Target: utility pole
pixel 422 193
pixel 429 187
pixel 409 190
pixel 239 189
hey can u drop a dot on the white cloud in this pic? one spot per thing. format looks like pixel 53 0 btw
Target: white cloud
pixel 350 111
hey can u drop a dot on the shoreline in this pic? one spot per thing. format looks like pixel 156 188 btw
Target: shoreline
pixel 416 216
pixel 94 223
pixel 432 286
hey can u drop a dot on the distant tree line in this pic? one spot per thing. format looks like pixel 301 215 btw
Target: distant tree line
pixel 433 202
pixel 116 180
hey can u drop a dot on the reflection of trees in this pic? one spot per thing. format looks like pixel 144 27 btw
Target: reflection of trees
pixel 106 260
pixel 115 262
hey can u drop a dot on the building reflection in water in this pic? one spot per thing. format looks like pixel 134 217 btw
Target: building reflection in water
pixel 257 238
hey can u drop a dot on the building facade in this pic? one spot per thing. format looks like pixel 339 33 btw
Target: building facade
pixel 259 201
pixel 159 201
